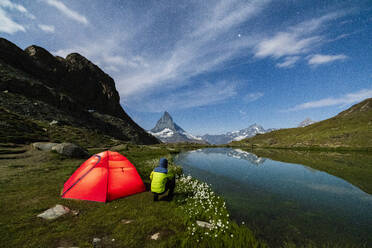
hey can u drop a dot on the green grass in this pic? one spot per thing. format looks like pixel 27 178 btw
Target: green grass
pixel 31 183
pixel 80 136
pixel 19 129
pixel 15 128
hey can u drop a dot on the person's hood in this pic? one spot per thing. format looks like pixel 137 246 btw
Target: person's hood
pixel 163 166
pixel 163 162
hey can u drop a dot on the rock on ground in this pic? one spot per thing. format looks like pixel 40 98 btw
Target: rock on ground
pixel 70 150
pixel 204 224
pixel 54 213
pixel 97 243
pixel 155 236
pixel 44 146
pixel 126 221
pixel 67 149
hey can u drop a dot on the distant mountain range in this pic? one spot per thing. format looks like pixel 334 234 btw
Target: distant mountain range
pixel 169 132
pixel 228 137
pixel 350 129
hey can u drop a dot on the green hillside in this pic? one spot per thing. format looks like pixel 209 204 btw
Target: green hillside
pixel 350 129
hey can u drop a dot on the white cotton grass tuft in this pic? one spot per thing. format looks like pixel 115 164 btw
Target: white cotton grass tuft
pixel 203 204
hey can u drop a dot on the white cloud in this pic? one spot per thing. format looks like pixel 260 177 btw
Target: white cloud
pixel 146 61
pixel 251 97
pixel 7 25
pixel 227 14
pixel 288 62
pixel 201 95
pixel 326 102
pixel 72 14
pixel 104 53
pixel 47 28
pixel 13 6
pixel 295 40
pixel 315 24
pixel 135 61
pixel 318 59
pixel 111 68
pixel 201 47
pixel 202 50
pixel 242 112
pixel 284 44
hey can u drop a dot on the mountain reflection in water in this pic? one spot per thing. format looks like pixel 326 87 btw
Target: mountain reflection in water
pixel 234 153
pixel 285 202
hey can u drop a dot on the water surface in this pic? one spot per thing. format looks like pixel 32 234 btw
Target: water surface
pixel 284 201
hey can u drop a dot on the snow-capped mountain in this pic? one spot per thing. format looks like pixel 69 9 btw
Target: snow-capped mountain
pixel 236 135
pixel 306 122
pixel 169 132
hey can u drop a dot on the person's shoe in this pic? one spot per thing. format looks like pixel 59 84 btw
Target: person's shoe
pixel 169 197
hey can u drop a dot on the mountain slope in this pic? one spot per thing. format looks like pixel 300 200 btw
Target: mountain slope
pixel 169 132
pixel 350 129
pixel 71 91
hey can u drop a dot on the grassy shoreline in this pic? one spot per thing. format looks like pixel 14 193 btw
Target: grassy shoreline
pixel 301 148
pixel 30 182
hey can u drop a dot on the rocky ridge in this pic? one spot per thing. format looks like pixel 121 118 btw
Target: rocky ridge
pixel 71 91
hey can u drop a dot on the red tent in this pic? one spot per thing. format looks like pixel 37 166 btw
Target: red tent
pixel 105 176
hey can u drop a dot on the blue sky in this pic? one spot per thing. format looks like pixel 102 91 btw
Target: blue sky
pixel 216 66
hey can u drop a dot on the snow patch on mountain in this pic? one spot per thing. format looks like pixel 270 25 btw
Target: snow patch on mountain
pixel 165 133
pixel 190 136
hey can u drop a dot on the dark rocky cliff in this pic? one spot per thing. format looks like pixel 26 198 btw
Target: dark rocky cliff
pixel 72 91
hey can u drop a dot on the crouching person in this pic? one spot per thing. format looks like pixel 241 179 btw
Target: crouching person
pixel 162 181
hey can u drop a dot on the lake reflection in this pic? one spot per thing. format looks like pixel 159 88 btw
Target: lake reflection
pixel 284 201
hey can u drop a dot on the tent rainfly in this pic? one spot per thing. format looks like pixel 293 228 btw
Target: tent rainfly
pixel 104 177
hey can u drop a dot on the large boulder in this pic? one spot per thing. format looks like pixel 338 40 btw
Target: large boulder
pixel 70 150
pixel 44 146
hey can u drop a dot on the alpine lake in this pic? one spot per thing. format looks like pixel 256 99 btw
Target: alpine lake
pixel 291 198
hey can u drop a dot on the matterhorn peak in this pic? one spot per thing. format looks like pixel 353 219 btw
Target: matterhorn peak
pixel 164 122
pixel 168 131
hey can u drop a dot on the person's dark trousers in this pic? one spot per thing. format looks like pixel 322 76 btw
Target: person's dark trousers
pixel 170 185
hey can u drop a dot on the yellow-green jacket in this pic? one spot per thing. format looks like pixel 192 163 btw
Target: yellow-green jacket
pixel 158 181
